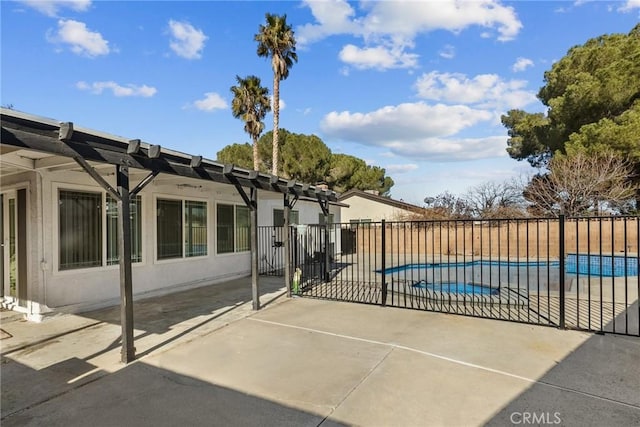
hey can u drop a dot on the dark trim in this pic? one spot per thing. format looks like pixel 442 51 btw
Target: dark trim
pixel 28 132
pixel 138 188
pixel 379 199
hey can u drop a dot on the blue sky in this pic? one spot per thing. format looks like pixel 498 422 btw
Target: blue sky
pixel 415 87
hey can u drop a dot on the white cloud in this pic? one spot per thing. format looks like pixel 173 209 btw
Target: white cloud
pixel 418 131
pixel 447 52
pixel 406 19
pixel 483 90
pixel 82 41
pixel 452 149
pixel 411 17
pixel 379 57
pixel 186 41
pixel 397 169
pixel 117 90
pixel 388 28
pixel 332 17
pixel 521 64
pixel 475 176
pixel 211 101
pixel 410 122
pixel 51 7
pixel 630 5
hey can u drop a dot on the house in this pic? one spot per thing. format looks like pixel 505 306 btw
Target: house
pixel 369 206
pixel 190 220
pixel 305 217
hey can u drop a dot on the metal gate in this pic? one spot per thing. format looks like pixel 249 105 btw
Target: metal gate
pixel 578 273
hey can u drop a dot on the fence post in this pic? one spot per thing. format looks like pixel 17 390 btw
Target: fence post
pixel 327 254
pixel 562 268
pixel 384 263
pixel 285 230
pixel 294 251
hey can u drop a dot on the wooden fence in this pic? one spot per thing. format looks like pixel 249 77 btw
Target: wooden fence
pixel 528 238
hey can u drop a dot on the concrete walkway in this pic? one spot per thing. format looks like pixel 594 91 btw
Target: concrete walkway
pixel 206 359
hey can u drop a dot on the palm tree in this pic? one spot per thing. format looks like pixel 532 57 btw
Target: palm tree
pixel 251 103
pixel 276 40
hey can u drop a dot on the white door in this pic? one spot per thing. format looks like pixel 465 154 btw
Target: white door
pixel 13 216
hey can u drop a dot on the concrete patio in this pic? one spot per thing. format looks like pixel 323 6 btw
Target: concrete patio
pixel 205 358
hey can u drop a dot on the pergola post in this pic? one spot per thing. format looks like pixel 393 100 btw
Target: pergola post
pixel 255 291
pixel 324 205
pixel 287 259
pixel 124 248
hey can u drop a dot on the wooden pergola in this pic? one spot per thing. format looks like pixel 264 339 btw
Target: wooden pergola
pixel 22 131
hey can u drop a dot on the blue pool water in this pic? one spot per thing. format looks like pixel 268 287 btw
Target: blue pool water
pixel 478 264
pixel 458 288
pixel 605 266
pixel 531 275
pixel 602 265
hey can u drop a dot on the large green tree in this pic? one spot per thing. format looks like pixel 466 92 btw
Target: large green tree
pixel 593 100
pixel 237 154
pixel 347 172
pixel 250 104
pixel 276 40
pixel 306 158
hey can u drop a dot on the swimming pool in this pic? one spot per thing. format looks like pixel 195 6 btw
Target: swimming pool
pixel 458 288
pixel 529 275
pixel 602 265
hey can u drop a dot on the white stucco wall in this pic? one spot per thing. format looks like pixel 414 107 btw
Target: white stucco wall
pixel 362 208
pixel 98 286
pixel 82 289
pixel 308 211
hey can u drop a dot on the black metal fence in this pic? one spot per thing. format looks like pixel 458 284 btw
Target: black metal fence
pixel 271 256
pixel 579 273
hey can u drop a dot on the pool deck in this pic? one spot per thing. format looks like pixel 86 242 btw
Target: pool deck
pixel 595 312
pixel 592 303
pixel 205 358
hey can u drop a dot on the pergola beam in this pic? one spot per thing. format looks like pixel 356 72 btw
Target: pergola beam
pixel 97 177
pixel 145 181
pixel 45 138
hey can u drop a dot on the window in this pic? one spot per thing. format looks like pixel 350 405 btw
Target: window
pixel 195 228
pixel 321 218
pixel 181 228
pixel 81 220
pixel 243 229
pixel 169 227
pixel 80 227
pixel 278 217
pixel 233 229
pixel 135 213
pixel 224 230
